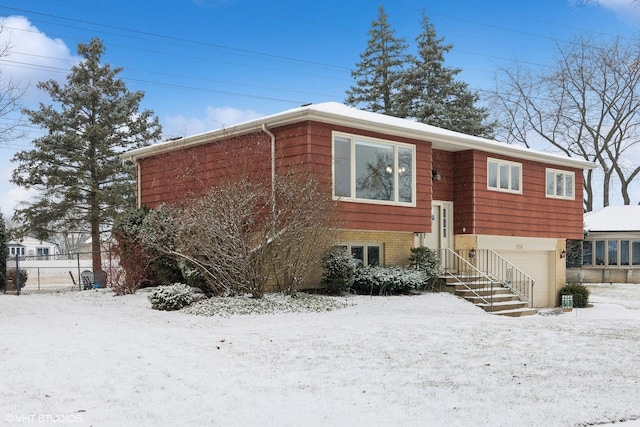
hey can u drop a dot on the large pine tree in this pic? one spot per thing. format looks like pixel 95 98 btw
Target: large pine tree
pixel 379 73
pixel 80 181
pixel 432 94
pixel 421 87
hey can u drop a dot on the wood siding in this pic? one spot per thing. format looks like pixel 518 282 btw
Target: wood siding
pixel 479 210
pixel 168 177
pixel 183 173
pixel 444 163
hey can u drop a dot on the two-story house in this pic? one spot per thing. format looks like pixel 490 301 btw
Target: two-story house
pixel 398 184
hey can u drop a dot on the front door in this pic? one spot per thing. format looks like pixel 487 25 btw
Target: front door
pixel 441 226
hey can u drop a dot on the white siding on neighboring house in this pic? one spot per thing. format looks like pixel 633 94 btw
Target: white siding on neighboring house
pixel 29 246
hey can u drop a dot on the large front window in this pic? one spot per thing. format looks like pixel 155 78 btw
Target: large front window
pixel 373 170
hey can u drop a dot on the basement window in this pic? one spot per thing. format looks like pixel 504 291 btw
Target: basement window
pixel 367 253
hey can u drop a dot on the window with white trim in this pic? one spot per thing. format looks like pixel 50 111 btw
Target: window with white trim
pixel 373 170
pixel 504 176
pixel 611 252
pixel 365 253
pixel 16 250
pixel 561 184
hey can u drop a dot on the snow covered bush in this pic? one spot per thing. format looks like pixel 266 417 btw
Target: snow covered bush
pixel 271 303
pixel 12 276
pixel 339 269
pixel 173 297
pixel 426 260
pixel 580 294
pixel 387 280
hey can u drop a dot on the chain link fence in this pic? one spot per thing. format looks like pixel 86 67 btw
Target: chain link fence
pixel 59 273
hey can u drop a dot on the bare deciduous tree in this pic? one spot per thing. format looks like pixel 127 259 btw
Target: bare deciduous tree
pixel 10 94
pixel 586 105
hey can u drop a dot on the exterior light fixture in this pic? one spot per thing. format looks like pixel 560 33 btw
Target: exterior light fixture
pixel 563 254
pixel 472 253
pixel 435 175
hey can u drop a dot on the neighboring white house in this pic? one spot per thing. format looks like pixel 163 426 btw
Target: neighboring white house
pixel 29 246
pixel 611 247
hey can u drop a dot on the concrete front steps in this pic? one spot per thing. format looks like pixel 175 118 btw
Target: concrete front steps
pixel 503 303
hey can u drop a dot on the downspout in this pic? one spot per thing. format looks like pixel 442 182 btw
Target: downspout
pixel 138 185
pixel 273 166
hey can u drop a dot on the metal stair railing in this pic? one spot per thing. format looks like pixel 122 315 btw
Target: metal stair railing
pixel 506 274
pixel 462 269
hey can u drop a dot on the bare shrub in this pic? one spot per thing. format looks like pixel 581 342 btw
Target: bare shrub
pixel 132 257
pixel 304 220
pixel 244 234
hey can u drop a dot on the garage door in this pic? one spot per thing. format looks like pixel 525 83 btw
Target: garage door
pixel 536 265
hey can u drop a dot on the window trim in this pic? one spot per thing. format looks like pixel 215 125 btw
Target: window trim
pixel 352 179
pixel 510 164
pixel 602 246
pixel 365 246
pixel 564 173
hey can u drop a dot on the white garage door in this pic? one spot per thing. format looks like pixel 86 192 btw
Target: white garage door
pixel 536 265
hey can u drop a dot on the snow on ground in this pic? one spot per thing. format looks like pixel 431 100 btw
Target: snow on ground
pixel 91 359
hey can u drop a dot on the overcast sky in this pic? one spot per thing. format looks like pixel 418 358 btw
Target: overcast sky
pixel 206 64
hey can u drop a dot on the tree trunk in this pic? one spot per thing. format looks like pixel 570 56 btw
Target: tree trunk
pixel 99 275
pixel 588 192
pixel 606 187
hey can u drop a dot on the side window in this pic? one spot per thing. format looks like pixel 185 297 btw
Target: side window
pixel 504 176
pixel 560 184
pixel 587 252
pixel 599 252
pixel 635 252
pixel 624 252
pixel 612 253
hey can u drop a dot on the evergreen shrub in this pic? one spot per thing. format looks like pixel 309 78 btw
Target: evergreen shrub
pixel 387 280
pixel 426 260
pixel 339 269
pixel 580 294
pixel 173 297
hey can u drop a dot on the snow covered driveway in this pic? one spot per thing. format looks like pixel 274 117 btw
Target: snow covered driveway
pixel 432 360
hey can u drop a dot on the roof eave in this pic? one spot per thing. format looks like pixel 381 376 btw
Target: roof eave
pixel 444 140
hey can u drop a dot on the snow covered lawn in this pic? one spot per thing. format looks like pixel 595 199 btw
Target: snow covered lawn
pixel 88 358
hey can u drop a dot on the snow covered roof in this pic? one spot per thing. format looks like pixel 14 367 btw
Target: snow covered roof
pixel 29 241
pixel 340 114
pixel 613 218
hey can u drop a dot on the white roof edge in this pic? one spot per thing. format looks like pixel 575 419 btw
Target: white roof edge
pixel 336 113
pixel 617 218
